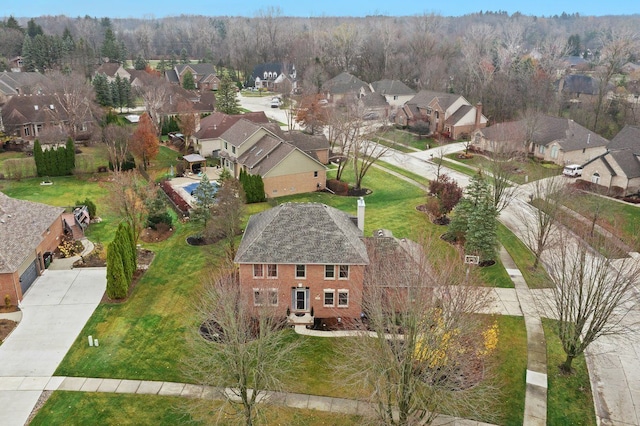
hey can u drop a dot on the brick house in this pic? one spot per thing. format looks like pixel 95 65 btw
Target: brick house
pixel 204 75
pixel 307 258
pixel 27 231
pixel 446 113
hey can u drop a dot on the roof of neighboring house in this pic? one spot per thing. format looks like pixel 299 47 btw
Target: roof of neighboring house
pixel 258 152
pixel 302 233
pixel 172 76
pixel 392 87
pixel 239 132
pixel 344 83
pixel 108 68
pixel 627 138
pixel 459 114
pixel 425 97
pixel 628 162
pixel 509 131
pixel 574 60
pixel 214 125
pixel 307 142
pixel 21 110
pixel 579 83
pixel 22 225
pixel 12 83
pixel 206 103
pixel 200 69
pixel 142 76
pixel 567 133
pixel 374 100
pixel 277 67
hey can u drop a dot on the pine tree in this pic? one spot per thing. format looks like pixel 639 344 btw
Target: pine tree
pixel 184 56
pixel 187 81
pixel 103 90
pixel 38 157
pixel 140 63
pixel 205 195
pixel 474 221
pixel 70 151
pixel 226 97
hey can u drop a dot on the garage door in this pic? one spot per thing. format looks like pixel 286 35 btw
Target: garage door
pixel 28 277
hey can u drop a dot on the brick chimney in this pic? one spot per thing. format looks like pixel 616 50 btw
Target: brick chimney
pixel 478 115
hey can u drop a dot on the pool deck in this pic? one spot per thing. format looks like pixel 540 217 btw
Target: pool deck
pixel 178 183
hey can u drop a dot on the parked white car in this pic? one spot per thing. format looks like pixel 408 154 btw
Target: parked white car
pixel 275 103
pixel 572 170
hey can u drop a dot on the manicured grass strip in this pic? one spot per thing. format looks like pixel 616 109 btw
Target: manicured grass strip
pixel 524 258
pixel 511 364
pixel 495 275
pixel 414 176
pixel 458 167
pixel 393 145
pixel 569 398
pixel 80 408
pixel 408 138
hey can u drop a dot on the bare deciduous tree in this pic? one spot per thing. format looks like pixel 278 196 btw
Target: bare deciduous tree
pixel 241 349
pixel 128 192
pixel 425 351
pixel 593 294
pixel 116 138
pixel 227 213
pixel 539 221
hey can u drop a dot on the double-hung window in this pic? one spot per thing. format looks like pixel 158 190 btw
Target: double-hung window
pixel 343 298
pixel 272 270
pixel 329 272
pixel 329 297
pixel 301 271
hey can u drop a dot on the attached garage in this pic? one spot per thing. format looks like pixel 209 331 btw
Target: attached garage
pixel 27 230
pixel 28 276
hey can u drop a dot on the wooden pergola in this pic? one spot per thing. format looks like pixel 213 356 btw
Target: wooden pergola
pixel 195 159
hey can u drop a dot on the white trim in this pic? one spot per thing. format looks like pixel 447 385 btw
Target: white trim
pixel 333 294
pixel 343 290
pixel 304 277
pixel 325 272
pixel 272 277
pixel 339 272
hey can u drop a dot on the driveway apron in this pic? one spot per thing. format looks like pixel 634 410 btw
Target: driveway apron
pixel 55 309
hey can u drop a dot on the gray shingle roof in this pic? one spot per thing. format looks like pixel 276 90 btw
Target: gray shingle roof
pixel 345 83
pixel 22 225
pixel 424 97
pixel 460 112
pixel 391 87
pixel 214 125
pixel 307 142
pixel 627 138
pixel 302 233
pixel 239 132
pixel 628 162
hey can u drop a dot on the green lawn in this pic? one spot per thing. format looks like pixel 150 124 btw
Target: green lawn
pixel 420 179
pixel 495 275
pixel 524 258
pixel 618 218
pixel 523 170
pixel 392 145
pixel 510 369
pixel 408 138
pixel 569 399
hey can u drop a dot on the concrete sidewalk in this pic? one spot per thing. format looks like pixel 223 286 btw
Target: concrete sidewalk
pixel 186 390
pixel 54 309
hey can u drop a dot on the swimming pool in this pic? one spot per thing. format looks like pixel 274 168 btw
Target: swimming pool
pixel 192 187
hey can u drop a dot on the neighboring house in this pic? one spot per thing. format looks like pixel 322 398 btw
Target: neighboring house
pixel 26 116
pixel 580 87
pixel 316 146
pixel 278 76
pixel 261 149
pixel 446 113
pixel 28 231
pixel 211 128
pixel 396 93
pixel 305 259
pixel 558 140
pixel 111 70
pixel 618 169
pixel 204 75
pixel 21 83
pixel 141 78
pixel 345 86
pixel 16 64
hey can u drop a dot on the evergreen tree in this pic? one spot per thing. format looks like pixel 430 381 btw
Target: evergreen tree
pixel 46 163
pixel 103 90
pixel 27 55
pixel 70 151
pixel 184 56
pixel 110 47
pixel 226 97
pixel 474 221
pixel 33 29
pixel 61 161
pixel 140 63
pixel 13 24
pixel 38 157
pixel 161 66
pixel 116 280
pixel 205 195
pixel 187 81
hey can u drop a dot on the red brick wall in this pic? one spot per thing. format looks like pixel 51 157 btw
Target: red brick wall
pixel 316 283
pixel 8 284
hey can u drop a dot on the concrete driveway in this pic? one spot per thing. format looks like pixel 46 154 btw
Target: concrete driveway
pixel 263 103
pixel 55 309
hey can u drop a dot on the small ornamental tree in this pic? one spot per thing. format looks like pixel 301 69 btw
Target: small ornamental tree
pixel 116 277
pixel 144 143
pixel 444 195
pixel 38 157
